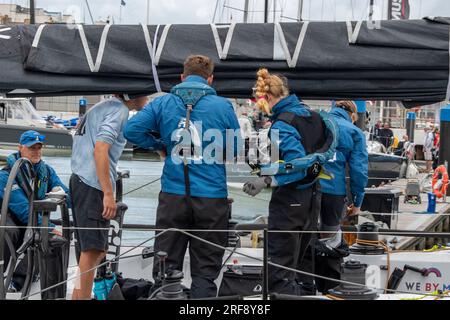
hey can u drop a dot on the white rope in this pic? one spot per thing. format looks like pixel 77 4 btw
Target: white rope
pixel 37 36
pixel 353 34
pixel 222 52
pixel 94 67
pixel 5 37
pixel 161 43
pixel 292 60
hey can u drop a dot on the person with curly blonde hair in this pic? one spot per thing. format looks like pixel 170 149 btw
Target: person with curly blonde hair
pixel 294 205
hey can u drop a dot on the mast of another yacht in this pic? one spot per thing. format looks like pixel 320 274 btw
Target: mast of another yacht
pixel 300 10
pixel 266 11
pixel 32 12
pixel 148 12
pixel 246 11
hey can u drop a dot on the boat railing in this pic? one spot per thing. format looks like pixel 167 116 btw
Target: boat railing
pixel 193 233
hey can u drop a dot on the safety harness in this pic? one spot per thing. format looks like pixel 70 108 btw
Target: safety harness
pixel 318 136
pixel 190 93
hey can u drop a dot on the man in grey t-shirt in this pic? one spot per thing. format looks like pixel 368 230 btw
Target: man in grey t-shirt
pixel 97 147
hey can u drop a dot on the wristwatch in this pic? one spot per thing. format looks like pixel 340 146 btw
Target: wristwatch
pixel 268 181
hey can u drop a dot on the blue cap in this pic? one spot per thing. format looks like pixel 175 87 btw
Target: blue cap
pixel 30 138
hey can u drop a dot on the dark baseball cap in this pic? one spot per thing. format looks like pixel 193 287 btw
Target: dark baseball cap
pixel 31 137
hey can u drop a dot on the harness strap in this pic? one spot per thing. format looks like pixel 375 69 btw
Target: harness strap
pixel 187 182
pixel 315 139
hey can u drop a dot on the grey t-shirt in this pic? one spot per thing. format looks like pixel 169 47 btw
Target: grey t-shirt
pixel 103 122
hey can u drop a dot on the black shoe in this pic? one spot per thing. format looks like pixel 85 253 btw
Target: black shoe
pixel 324 250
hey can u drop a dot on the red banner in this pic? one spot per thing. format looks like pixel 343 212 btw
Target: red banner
pixel 399 10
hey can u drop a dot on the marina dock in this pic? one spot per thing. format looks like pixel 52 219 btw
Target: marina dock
pixel 414 217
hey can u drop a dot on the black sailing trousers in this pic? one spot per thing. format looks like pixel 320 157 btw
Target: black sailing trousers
pixel 16 235
pixel 176 211
pixel 290 209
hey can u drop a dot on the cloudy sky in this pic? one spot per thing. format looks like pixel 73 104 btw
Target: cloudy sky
pixel 204 11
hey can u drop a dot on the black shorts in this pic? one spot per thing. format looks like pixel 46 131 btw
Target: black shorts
pixel 87 208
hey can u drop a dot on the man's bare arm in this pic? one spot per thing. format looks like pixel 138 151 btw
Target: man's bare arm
pixel 101 157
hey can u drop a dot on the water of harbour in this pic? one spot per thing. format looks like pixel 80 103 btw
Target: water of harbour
pixel 142 203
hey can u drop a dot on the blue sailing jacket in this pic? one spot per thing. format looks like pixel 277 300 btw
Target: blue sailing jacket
pixel 290 145
pixel 211 117
pixel 18 203
pixel 351 149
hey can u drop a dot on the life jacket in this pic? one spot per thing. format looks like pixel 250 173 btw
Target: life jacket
pixel 316 137
pixel 43 176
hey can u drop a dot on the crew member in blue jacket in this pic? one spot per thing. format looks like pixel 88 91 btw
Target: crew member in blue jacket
pixel 30 147
pixel 295 201
pixel 351 151
pixel 193 185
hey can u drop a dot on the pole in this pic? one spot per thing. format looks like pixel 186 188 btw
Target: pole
pixel 361 109
pixel 246 11
pixel 410 125
pixel 89 10
pixel 266 11
pixel 148 12
pixel 444 148
pixel 381 110
pixel 33 21
pixel 265 286
pixel 274 10
pixel 300 10
pixel 371 10
pixel 32 12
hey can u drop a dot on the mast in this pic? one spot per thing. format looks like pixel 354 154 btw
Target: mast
pixel 148 12
pixel 300 10
pixel 371 10
pixel 246 11
pixel 33 21
pixel 89 10
pixel 32 12
pixel 274 10
pixel 215 11
pixel 266 11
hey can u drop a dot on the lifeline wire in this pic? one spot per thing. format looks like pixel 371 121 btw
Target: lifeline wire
pixel 227 249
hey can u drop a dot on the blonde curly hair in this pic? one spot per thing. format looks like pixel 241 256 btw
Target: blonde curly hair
pixel 267 84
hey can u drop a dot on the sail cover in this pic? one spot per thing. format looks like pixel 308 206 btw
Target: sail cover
pixel 391 60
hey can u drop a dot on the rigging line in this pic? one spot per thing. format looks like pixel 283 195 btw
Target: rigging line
pixel 335 10
pixel 92 269
pixel 89 10
pixel 365 12
pixel 321 13
pixel 221 11
pixel 420 10
pixel 295 270
pixel 143 186
pixel 353 11
pixel 121 258
pixel 248 197
pixel 215 11
pixel 409 233
pixel 309 10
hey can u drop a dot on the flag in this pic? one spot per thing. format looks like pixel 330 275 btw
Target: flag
pixel 399 9
pixel 122 3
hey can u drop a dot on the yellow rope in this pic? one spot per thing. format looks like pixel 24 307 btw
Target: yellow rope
pixel 333 297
